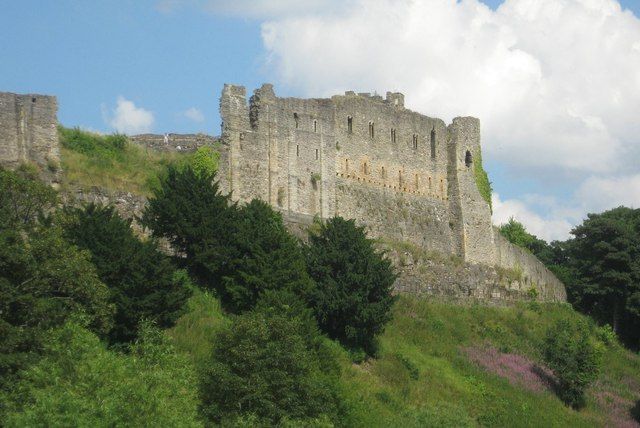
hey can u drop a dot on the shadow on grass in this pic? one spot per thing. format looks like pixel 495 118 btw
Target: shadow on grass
pixel 547 378
pixel 635 412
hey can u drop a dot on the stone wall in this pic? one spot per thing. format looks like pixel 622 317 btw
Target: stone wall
pixel 401 174
pixel 174 142
pixel 28 133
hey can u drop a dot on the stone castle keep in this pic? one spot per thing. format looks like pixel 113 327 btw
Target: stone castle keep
pixel 405 176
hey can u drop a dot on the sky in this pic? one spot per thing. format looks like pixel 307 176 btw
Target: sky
pixel 555 83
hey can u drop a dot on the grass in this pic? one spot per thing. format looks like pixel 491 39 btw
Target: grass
pixel 424 377
pixel 482 179
pixel 111 162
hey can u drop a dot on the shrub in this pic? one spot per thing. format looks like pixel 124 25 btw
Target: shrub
pixel 142 281
pixel 267 257
pixel 266 366
pixel 352 300
pixel 205 161
pixel 23 198
pixel 81 383
pixel 574 359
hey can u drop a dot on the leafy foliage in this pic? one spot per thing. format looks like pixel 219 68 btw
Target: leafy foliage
pixel 205 161
pixel 189 211
pixel 352 300
pixel 482 179
pixel 143 282
pixel 267 257
pixel 267 365
pixel 23 198
pixel 574 359
pixel 81 383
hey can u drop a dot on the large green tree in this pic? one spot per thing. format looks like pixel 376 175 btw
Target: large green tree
pixel 267 257
pixel 142 280
pixel 605 258
pixel 189 211
pixel 353 297
pixel 269 364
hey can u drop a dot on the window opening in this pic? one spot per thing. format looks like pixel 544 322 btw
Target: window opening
pixel 468 159
pixel 349 124
pixel 433 143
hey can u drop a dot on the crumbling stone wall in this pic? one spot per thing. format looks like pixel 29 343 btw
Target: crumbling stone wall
pixel 401 174
pixel 28 133
pixel 174 142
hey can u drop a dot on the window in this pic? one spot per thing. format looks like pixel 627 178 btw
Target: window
pixel 468 159
pixel 430 183
pixel 433 143
pixel 297 150
pixel 371 132
pixel 315 125
pixel 417 181
pixel 393 135
pixel 383 173
pixel 415 141
pixel 295 118
pixel 365 168
pixel 317 154
pixel 349 124
pixel 400 179
pixel 346 165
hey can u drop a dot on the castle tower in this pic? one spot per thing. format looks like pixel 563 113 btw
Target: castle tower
pixel 473 222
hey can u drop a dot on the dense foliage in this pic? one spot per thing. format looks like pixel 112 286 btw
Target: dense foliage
pixel 352 300
pixel 142 281
pixel 574 358
pixel 267 364
pixel 79 382
pixel 205 161
pixel 189 211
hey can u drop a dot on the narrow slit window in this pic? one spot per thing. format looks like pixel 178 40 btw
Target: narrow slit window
pixel 371 130
pixel 297 150
pixel 430 183
pixel 349 124
pixel 400 179
pixel 415 141
pixel 433 144
pixel 346 165
pixel 317 154
pixel 365 168
pixel 417 181
pixel 315 125
pixel 296 119
pixel 393 135
pixel 383 173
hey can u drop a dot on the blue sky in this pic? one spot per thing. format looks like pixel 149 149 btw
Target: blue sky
pixel 168 57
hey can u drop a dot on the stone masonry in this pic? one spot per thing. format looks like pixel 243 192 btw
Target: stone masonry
pixel 403 175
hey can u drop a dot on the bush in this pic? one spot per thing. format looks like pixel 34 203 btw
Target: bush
pixel 205 161
pixel 81 383
pixel 142 281
pixel 266 365
pixel 352 300
pixel 23 198
pixel 267 257
pixel 574 359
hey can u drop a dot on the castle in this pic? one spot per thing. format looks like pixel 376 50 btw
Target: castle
pixel 405 176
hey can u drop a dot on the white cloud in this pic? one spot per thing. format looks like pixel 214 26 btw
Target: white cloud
pixel 554 82
pixel 194 114
pixel 129 119
pixel 255 9
pixel 547 228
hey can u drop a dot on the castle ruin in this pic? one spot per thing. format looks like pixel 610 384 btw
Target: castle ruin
pixel 403 175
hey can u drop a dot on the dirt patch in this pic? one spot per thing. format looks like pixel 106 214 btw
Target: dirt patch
pixel 623 413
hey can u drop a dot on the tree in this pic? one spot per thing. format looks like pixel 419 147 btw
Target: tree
pixel 142 281
pixel 605 255
pixel 267 257
pixel 267 365
pixel 353 297
pixel 205 161
pixel 574 359
pixel 79 382
pixel 189 211
pixel 23 198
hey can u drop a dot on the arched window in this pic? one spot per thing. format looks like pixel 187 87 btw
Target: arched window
pixel 393 135
pixel 295 118
pixel 371 131
pixel 468 159
pixel 349 124
pixel 415 141
pixel 433 143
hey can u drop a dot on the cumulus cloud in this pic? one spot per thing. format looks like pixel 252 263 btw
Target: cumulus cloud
pixel 129 119
pixel 194 114
pixel 554 82
pixel 602 193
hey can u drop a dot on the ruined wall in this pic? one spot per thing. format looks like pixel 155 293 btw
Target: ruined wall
pixel 28 132
pixel 403 175
pixel 174 142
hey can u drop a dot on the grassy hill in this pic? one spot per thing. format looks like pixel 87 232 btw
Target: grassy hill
pixel 447 365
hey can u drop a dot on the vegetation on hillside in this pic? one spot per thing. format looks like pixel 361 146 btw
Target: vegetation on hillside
pixel 482 180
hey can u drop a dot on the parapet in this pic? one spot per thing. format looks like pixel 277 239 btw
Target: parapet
pixel 395 99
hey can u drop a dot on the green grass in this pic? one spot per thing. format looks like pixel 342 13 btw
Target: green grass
pixel 422 378
pixel 111 162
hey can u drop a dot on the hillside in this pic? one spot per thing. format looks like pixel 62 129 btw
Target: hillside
pixel 447 365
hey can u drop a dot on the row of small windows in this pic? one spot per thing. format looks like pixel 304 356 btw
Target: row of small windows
pixel 372 132
pixel 401 179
